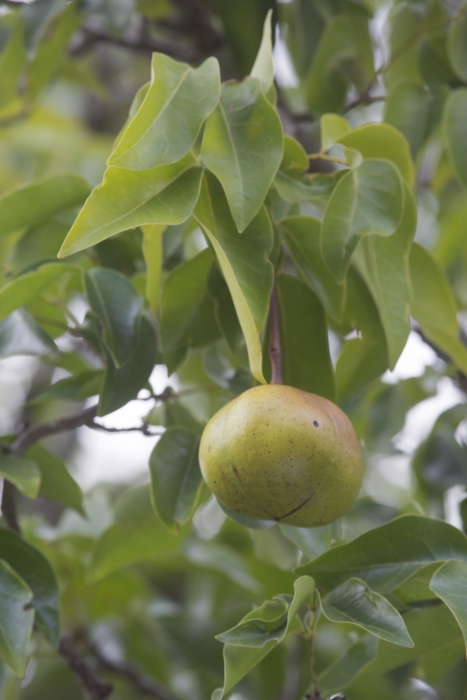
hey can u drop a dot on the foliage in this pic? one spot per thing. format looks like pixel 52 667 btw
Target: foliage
pixel 156 185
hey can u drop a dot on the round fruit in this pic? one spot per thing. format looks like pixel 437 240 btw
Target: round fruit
pixel 278 453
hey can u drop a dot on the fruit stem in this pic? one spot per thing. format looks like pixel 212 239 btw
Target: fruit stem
pixel 275 353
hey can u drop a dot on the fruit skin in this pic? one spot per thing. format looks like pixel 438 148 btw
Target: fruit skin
pixel 279 453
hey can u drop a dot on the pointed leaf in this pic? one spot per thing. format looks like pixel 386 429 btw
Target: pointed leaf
pixel 388 555
pixel 302 234
pixel 30 204
pixel 368 200
pixel 118 306
pixel 333 127
pixel 434 305
pixel 243 261
pixel 153 254
pixel 21 335
pixel 80 386
pixel 175 477
pixel 407 110
pixel 263 68
pixel 457 48
pixel 265 624
pixel 17 619
pixel 57 484
pixel 165 127
pixel 242 146
pixel 25 289
pixel 34 568
pixel 346 667
pixel 126 199
pixel 21 472
pixel 384 265
pixel 306 362
pixel 311 541
pixel 450 584
pixel 455 131
pixel 353 601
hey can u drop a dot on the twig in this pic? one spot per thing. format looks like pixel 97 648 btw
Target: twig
pixel 94 687
pixel 275 353
pixel 144 428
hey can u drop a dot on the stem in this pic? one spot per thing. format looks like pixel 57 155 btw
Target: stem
pixel 94 688
pixel 323 156
pixel 275 353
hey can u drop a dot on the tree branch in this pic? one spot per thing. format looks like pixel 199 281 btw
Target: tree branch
pixel 144 428
pixel 275 353
pixel 93 686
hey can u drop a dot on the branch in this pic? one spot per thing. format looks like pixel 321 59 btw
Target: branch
pixel 275 354
pixel 94 687
pixel 144 428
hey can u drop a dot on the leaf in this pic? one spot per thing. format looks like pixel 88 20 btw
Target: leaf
pixel 122 384
pixel 388 555
pixel 21 472
pixel 136 537
pixel 333 127
pixel 434 305
pixel 224 310
pixel 353 601
pixel 221 558
pixel 153 255
pixel 21 335
pixel 347 666
pixel 249 641
pixel 165 127
pixel 183 295
pixel 25 289
pixel 384 265
pixel 457 48
pixel 57 484
pixel 17 619
pixel 368 200
pixel 311 541
pixel 263 68
pixel 118 306
pixel 306 363
pixel 12 61
pixel 244 520
pixel 242 146
pixel 37 17
pixel 126 199
pixel 455 131
pixel 314 188
pixel 80 386
pixel 382 141
pixel 450 584
pixel 407 110
pixel 243 261
pixel 36 571
pixel 302 234
pixel 175 477
pixel 26 205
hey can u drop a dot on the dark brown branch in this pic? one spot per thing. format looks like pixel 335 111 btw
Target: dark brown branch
pixel 144 429
pixel 275 354
pixel 93 686
pixel 9 506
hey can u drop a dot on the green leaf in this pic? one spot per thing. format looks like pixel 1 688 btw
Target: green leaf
pixel 122 384
pixel 353 601
pixel 30 204
pixel 243 261
pixel 175 477
pixel 384 265
pixel 294 159
pixel 57 484
pixel 306 363
pixel 263 68
pixel 457 48
pixel 21 472
pixel 25 289
pixel 126 199
pixel 367 200
pixel 153 255
pixel 221 558
pixel 118 306
pixel 434 305
pixel 17 619
pixel 450 584
pixel 455 131
pixel 347 666
pixel 21 335
pixel 34 568
pixel 407 110
pixel 184 295
pixel 333 127
pixel 37 17
pixel 382 141
pixel 244 520
pixel 311 541
pixel 80 386
pixel 165 127
pixel 12 62
pixel 242 146
pixel 388 555
pixel 248 642
pixel 136 537
pixel 315 188
pixel 302 234
pixel 224 310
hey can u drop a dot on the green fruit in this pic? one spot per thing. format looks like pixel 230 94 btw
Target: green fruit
pixel 278 453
